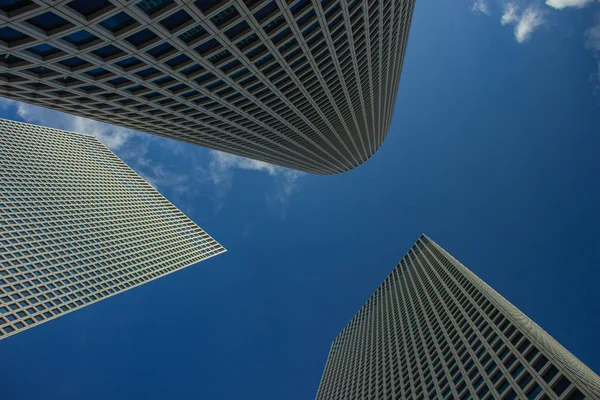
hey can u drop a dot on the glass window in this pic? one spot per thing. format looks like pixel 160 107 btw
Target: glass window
pixel 48 21
pixel 176 20
pixel 80 38
pixel 561 385
pixel 533 391
pixel 141 37
pixel 43 50
pixel 88 7
pixel 117 22
pixel 10 35
pixel 152 6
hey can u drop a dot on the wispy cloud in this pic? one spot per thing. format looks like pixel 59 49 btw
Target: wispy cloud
pixel 509 14
pixel 560 4
pixel 112 136
pixel 525 23
pixel 223 165
pixel 531 18
pixel 191 176
pixel 480 7
pixel 592 42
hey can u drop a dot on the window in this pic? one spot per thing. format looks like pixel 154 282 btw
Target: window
pixel 539 364
pixel 550 373
pixel 561 385
pixel 117 22
pixel 152 6
pixel 10 35
pixel 533 391
pixel 176 20
pixel 89 7
pixel 141 37
pixel 48 22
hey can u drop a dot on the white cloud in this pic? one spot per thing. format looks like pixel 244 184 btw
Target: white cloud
pixel 592 36
pixel 532 18
pixel 112 136
pixel 525 23
pixel 221 170
pixel 199 178
pixel 222 165
pixel 560 4
pixel 480 7
pixel 509 15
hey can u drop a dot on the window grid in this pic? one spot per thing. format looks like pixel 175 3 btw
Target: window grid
pixel 433 329
pixel 295 83
pixel 78 225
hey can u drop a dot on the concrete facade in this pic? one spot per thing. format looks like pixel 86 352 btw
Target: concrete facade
pixel 434 330
pixel 308 85
pixel 77 225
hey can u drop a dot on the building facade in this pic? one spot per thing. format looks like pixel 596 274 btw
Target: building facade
pixel 77 225
pixel 434 330
pixel 305 84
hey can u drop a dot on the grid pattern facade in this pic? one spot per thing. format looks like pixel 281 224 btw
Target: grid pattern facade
pixel 78 225
pixel 434 330
pixel 308 85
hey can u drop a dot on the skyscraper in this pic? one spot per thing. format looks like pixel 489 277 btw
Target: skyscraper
pixel 77 225
pixel 434 330
pixel 308 85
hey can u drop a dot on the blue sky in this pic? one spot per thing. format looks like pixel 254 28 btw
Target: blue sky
pixel 493 152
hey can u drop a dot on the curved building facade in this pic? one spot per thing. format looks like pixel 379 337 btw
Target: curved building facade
pixel 308 85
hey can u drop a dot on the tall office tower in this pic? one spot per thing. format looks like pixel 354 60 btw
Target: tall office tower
pixel 306 84
pixel 77 225
pixel 434 330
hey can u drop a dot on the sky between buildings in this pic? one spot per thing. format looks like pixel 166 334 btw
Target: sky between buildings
pixel 493 152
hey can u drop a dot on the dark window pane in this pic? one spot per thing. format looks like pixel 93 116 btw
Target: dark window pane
pixel 175 61
pixel 175 20
pixel 80 38
pixel 9 6
pixel 207 46
pixel 117 22
pixel 575 395
pixel 48 21
pixel 192 34
pixel 539 364
pixel 152 6
pixel 205 5
pixel 10 35
pixel 525 379
pixel 141 37
pixel 267 10
pixel 88 7
pixel 97 72
pixel 40 70
pixel 550 373
pixel 161 49
pixel 224 16
pixel 147 72
pixel 561 385
pixel 118 81
pixel 43 50
pixel 534 391
pixel 238 29
pixel 73 62
pixel 107 51
pixel 128 62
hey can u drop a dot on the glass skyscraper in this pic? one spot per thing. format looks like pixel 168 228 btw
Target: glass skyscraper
pixel 434 330
pixel 77 225
pixel 306 84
